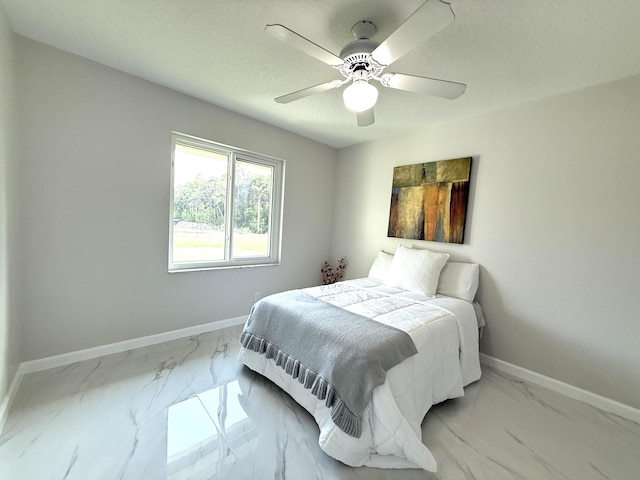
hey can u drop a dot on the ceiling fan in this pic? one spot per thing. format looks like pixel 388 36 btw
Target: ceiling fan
pixel 363 60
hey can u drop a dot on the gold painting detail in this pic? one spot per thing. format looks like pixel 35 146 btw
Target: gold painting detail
pixel 429 201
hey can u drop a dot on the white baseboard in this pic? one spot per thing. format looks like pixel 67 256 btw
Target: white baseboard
pixel 89 353
pixel 7 400
pixel 593 399
pixel 118 347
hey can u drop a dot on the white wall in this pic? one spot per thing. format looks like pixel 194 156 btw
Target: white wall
pixel 94 190
pixel 554 223
pixel 9 336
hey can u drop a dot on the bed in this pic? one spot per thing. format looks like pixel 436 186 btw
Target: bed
pixel 421 295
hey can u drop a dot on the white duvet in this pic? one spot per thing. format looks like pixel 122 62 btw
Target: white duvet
pixel 445 332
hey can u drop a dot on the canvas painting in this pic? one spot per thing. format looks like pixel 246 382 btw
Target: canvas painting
pixel 429 201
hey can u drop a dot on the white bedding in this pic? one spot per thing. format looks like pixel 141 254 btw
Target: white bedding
pixel 445 332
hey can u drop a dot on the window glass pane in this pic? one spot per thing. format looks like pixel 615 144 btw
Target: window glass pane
pixel 212 226
pixel 199 199
pixel 252 209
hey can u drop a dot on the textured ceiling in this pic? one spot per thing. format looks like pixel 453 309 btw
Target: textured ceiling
pixel 506 51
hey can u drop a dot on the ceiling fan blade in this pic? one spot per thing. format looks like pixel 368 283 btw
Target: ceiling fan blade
pixel 431 17
pixel 305 92
pixel 366 118
pixel 290 37
pixel 431 86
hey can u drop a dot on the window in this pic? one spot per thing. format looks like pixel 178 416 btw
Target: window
pixel 212 227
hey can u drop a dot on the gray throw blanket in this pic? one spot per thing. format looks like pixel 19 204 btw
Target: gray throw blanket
pixel 340 356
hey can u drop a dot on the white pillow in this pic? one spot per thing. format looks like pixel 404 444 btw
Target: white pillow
pixel 416 270
pixel 459 280
pixel 380 266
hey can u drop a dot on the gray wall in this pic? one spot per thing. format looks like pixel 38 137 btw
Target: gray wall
pixel 553 222
pixel 9 337
pixel 94 194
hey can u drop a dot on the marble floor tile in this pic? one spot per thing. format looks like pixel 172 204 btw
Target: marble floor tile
pixel 187 410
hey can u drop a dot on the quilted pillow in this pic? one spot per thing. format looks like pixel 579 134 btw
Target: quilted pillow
pixel 416 270
pixel 459 280
pixel 380 266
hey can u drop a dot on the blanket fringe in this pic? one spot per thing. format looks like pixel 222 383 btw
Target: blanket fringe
pixel 344 418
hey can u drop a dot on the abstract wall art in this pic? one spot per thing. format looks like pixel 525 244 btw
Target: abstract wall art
pixel 429 200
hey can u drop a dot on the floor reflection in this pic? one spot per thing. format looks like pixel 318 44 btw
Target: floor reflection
pixel 205 432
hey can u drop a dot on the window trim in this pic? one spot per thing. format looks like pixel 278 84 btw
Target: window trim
pixel 234 155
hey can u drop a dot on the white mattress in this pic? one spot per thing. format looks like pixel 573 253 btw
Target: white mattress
pixel 445 332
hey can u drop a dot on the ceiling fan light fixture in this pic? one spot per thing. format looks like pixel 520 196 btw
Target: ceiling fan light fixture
pixel 360 96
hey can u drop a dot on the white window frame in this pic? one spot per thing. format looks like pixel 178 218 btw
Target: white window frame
pixel 275 221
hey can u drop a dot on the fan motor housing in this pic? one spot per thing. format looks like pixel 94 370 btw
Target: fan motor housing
pixel 363 46
pixel 357 56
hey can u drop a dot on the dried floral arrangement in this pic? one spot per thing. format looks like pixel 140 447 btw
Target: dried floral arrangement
pixel 331 274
